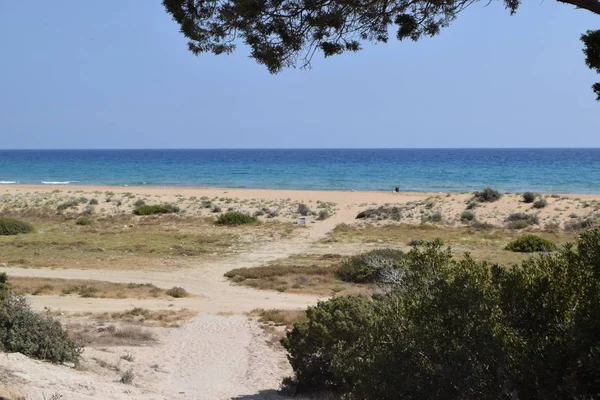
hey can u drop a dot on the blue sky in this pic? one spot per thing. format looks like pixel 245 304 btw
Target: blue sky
pixel 117 74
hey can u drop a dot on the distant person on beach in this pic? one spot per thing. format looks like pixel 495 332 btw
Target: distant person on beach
pixel 397 189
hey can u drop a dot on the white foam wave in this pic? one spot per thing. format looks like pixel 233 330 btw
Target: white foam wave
pixel 8 182
pixel 57 182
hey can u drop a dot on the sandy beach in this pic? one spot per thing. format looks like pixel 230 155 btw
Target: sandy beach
pixel 223 351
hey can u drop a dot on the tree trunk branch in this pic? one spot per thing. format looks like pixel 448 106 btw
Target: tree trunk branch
pixel 590 5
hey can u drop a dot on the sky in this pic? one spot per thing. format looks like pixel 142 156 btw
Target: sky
pixel 117 74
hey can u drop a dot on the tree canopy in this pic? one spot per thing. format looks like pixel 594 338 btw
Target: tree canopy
pixel 288 33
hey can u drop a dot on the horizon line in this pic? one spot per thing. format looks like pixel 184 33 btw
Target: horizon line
pixel 306 148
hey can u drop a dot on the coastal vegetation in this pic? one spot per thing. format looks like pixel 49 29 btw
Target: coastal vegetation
pixel 487 195
pixel 530 244
pixel 459 329
pixel 155 209
pixel 10 226
pixel 236 218
pixel 25 331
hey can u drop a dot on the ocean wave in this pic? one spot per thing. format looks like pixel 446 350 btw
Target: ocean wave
pixel 8 182
pixel 57 182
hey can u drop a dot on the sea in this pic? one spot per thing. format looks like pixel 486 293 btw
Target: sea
pixel 417 170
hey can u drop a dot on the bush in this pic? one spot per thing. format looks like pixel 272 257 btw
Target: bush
pixel 436 217
pixel 466 217
pixel 529 197
pixel 522 220
pixel 236 218
pixel 156 209
pixel 541 203
pixel 313 345
pixel 9 226
pixel 177 292
pixel 139 203
pixel 67 204
pixel 304 210
pixel 24 331
pixel 84 221
pixel 579 225
pixel 323 215
pixel 127 377
pixel 487 195
pixel 382 212
pixel 461 330
pixel 93 202
pixel 366 267
pixel 530 244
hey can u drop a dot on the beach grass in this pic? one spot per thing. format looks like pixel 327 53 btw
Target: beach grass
pixel 86 288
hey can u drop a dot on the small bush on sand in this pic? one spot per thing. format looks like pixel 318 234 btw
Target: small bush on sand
pixel 156 209
pixel 236 218
pixel 365 267
pixel 487 195
pixel 466 217
pixel 177 292
pixel 139 203
pixel 382 212
pixel 67 204
pixel 83 221
pixel 127 377
pixel 541 203
pixel 9 226
pixel 24 331
pixel 93 202
pixel 304 210
pixel 521 220
pixel 530 244
pixel 435 218
pixel 528 197
pixel 579 225
pixel 323 215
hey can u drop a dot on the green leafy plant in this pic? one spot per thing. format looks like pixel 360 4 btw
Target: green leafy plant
pixel 156 209
pixel 236 218
pixel 530 244
pixel 365 267
pixel 529 197
pixel 487 195
pixel 9 226
pixel 24 331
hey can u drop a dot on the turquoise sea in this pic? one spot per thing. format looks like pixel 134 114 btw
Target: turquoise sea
pixel 431 170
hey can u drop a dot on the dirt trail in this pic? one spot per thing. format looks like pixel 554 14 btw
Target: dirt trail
pixel 210 357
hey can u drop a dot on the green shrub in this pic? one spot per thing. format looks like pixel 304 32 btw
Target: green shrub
pixel 127 377
pixel 67 204
pixel 466 217
pixel 4 286
pixel 93 202
pixel 139 203
pixel 436 217
pixel 24 331
pixel 522 220
pixel 487 195
pixel 236 218
pixel 530 244
pixel 382 212
pixel 541 203
pixel 312 345
pixel 9 226
pixel 482 226
pixel 365 267
pixel 529 197
pixel 323 215
pixel 304 210
pixel 84 221
pixel 177 292
pixel 156 209
pixel 461 330
pixel 579 225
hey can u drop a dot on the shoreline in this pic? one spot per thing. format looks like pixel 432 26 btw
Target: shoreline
pixel 244 192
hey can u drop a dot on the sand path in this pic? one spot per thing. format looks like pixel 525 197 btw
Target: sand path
pixel 211 356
